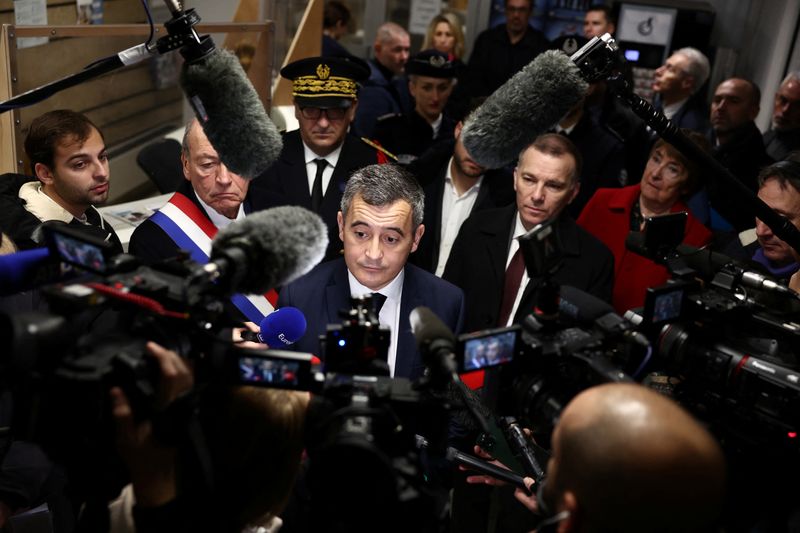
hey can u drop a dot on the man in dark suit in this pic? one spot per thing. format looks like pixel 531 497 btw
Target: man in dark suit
pixel 318 158
pixel 380 224
pixel 485 260
pixel 455 187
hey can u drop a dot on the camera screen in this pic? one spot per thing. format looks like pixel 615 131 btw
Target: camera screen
pixel 663 304
pixel 492 350
pixel 276 372
pixel 79 253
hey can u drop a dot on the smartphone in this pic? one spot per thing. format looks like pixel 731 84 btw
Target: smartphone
pixel 487 348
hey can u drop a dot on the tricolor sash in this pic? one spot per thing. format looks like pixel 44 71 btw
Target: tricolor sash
pixel 190 229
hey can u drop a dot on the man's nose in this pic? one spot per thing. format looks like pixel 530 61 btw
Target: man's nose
pixel 374 248
pixel 762 230
pixel 224 175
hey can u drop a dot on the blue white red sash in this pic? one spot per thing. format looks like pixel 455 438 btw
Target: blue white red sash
pixel 190 229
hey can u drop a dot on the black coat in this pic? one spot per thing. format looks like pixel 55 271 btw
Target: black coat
pixel 409 136
pixel 496 190
pixel 477 264
pixel 744 155
pixel 494 59
pixel 780 143
pixel 286 180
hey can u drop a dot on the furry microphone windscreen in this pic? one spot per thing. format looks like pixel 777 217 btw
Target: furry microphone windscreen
pixel 231 113
pixel 527 105
pixel 281 244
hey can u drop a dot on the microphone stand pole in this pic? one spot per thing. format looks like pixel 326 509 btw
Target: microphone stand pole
pixel 599 60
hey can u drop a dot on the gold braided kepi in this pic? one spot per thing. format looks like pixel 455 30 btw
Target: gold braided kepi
pixel 325 81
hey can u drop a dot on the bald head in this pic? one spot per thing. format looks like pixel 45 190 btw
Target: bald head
pixel 624 456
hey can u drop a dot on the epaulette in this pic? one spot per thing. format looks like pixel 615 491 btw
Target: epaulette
pixel 380 149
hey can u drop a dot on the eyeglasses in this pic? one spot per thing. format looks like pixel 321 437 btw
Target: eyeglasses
pixel 314 113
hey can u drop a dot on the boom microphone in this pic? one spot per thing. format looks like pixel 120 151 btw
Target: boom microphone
pixel 282 327
pixel 528 104
pixel 266 249
pixel 231 114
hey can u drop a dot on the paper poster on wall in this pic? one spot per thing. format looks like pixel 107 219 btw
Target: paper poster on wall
pixel 90 11
pixel 646 24
pixel 30 13
pixel 422 11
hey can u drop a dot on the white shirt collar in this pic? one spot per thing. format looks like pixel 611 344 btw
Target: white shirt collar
pixel 220 221
pixel 670 110
pixel 392 290
pixel 448 178
pixel 332 158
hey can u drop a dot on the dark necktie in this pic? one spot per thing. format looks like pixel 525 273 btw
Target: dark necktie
pixel 511 283
pixel 378 300
pixel 316 189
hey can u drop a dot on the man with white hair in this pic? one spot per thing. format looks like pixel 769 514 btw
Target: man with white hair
pixel 676 84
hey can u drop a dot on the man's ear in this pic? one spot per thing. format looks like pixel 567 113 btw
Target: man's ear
pixel 575 190
pixel 417 236
pixel 43 173
pixel 457 130
pixel 569 503
pixel 185 166
pixel 340 222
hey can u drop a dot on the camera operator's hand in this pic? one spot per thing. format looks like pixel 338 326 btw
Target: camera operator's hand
pixel 483 479
pixel 528 499
pixel 151 465
pixel 238 338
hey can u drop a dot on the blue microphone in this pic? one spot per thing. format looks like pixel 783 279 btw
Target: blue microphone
pixel 21 271
pixel 282 327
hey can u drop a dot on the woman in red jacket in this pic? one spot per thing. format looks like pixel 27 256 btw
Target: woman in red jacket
pixel 611 214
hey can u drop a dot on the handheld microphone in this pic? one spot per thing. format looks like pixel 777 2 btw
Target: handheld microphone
pixel 435 342
pixel 527 105
pixel 22 271
pixel 265 250
pixel 282 327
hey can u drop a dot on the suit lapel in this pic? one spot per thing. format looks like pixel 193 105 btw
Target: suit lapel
pixel 407 356
pixel 337 293
pixel 498 233
pixel 436 215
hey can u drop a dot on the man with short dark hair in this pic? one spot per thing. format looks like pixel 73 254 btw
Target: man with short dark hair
pixel 486 261
pixel 598 21
pixel 380 224
pixel 318 157
pixel 385 91
pixel 455 187
pixel 737 145
pixel 779 188
pixel 431 76
pixel 784 136
pixel 68 156
pixel 502 51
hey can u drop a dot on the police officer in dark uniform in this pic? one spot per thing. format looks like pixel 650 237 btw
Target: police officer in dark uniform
pixel 318 158
pixel 431 77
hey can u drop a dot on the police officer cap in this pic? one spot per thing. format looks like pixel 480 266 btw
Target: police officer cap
pixel 431 63
pixel 325 81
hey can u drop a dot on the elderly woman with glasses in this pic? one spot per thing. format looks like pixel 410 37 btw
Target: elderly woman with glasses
pixel 669 178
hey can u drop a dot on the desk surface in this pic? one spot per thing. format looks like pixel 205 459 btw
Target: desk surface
pixel 125 217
